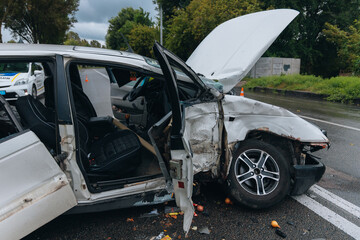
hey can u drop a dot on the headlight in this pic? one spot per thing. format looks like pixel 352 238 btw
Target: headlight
pixel 21 82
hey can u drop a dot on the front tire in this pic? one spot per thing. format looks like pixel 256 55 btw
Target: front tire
pixel 34 92
pixel 259 175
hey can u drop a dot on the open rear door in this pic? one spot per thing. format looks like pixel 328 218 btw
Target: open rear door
pixel 181 167
pixel 33 188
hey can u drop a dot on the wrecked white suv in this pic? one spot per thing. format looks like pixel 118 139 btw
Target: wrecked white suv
pixel 80 149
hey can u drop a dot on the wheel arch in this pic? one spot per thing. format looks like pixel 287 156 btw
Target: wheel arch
pixel 274 190
pixel 286 145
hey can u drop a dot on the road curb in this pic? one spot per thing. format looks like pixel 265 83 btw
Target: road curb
pixel 297 94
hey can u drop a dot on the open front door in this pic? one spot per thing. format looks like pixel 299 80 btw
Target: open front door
pixel 33 188
pixel 181 167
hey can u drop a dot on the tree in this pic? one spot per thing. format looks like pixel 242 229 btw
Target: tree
pixel 303 38
pixel 142 39
pixel 94 43
pixel 72 38
pixel 42 21
pixel 347 42
pixel 170 7
pixel 6 8
pixel 191 25
pixel 123 23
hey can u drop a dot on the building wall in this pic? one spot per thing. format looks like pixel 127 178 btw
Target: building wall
pixel 268 66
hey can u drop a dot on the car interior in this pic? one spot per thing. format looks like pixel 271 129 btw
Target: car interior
pixel 108 156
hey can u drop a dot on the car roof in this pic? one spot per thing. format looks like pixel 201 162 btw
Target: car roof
pixel 62 50
pixel 76 52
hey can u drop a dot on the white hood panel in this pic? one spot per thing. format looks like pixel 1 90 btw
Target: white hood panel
pixel 229 52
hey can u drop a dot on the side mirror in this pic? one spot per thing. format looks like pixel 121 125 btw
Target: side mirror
pixel 37 72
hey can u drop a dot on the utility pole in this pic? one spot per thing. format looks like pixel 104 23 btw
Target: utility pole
pixel 161 24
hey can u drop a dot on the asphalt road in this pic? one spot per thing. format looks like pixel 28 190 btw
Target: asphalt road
pixel 224 222
pixel 328 211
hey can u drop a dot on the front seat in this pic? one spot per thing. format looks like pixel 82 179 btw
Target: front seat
pixel 115 154
pixel 39 119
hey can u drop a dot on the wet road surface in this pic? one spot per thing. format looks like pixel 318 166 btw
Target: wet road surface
pixel 224 222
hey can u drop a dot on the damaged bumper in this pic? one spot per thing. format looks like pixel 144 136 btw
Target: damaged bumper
pixel 307 175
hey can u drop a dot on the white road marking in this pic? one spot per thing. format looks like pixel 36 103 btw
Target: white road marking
pixel 336 200
pixel 332 217
pixel 331 123
pixel 105 76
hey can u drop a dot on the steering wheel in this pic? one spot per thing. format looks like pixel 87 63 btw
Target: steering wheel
pixel 137 91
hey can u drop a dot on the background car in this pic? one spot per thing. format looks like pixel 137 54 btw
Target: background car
pixel 20 79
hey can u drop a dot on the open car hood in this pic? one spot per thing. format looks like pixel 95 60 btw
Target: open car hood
pixel 229 52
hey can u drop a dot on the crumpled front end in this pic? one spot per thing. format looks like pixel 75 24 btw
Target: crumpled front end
pixel 243 117
pixel 210 127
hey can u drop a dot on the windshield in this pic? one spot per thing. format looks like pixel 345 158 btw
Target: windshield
pixel 213 83
pixel 182 76
pixel 14 67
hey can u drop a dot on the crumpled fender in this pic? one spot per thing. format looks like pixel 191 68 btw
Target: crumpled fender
pixel 242 115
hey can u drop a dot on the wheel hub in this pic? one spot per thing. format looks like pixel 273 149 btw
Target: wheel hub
pixel 257 172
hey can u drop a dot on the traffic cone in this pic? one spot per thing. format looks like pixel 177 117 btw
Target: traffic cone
pixel 242 92
pixel 86 78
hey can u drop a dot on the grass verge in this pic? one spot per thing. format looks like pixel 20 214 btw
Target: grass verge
pixel 341 89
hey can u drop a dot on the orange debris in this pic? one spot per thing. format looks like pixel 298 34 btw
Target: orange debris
pixel 274 224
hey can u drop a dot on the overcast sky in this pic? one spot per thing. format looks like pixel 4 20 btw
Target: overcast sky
pixel 93 16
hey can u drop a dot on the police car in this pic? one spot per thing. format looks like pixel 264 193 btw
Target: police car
pixel 20 79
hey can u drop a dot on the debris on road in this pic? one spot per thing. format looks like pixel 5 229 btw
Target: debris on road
pixel 200 208
pixel 167 237
pixel 173 212
pixel 152 213
pixel 130 220
pixel 204 230
pixel 305 232
pixel 274 224
pixel 290 223
pixel 227 201
pixel 169 209
pixel 161 236
pixel 194 228
pixel 280 233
